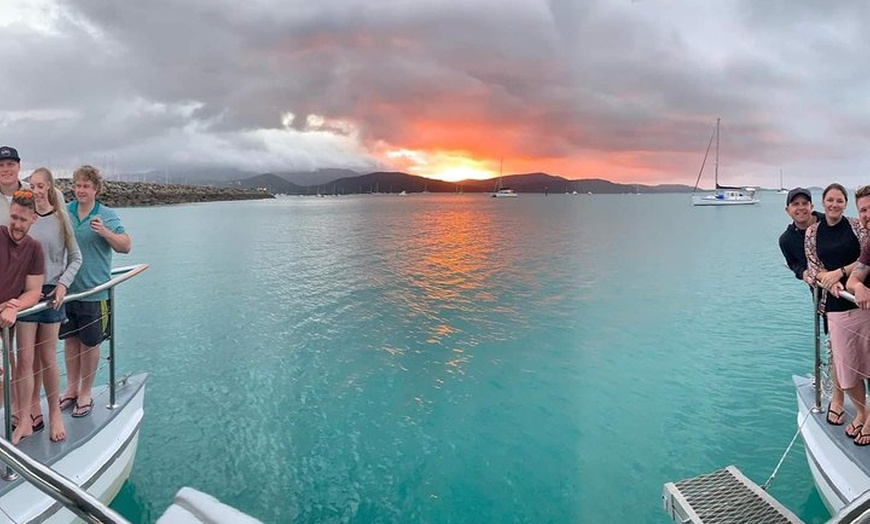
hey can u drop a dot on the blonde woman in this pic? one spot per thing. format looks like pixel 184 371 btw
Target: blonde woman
pixel 37 333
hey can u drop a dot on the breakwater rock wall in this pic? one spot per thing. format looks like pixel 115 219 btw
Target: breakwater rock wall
pixel 139 194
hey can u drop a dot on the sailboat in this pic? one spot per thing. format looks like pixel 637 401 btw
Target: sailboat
pixel 724 195
pixel 499 191
pixel 782 189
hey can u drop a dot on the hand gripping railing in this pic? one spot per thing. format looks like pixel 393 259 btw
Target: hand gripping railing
pixel 50 482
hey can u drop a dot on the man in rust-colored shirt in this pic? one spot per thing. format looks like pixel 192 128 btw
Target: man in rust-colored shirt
pixel 22 263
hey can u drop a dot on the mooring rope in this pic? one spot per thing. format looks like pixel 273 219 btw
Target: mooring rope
pixel 785 453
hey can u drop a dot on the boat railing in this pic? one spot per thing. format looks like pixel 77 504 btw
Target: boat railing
pixel 47 480
pixel 58 487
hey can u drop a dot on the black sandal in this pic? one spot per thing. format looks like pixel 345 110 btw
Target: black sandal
pixel 838 416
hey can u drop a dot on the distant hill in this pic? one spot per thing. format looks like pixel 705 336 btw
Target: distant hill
pixel 396 182
pixel 316 177
pixel 274 184
pixel 232 177
pixel 196 176
pixel 347 181
pixel 388 182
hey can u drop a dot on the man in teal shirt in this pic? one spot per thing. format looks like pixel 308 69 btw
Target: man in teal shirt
pixel 98 232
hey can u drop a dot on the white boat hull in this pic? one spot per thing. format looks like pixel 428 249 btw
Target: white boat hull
pixel 715 200
pixel 840 470
pixel 100 464
pixel 505 193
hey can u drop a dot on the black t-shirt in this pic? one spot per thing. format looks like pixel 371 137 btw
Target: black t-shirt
pixel 791 243
pixel 837 246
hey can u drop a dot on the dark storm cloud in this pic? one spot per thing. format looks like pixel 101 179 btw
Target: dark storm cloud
pixel 642 81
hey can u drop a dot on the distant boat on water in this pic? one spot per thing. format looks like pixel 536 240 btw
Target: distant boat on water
pixel 724 195
pixel 505 193
pixel 782 189
pixel 502 192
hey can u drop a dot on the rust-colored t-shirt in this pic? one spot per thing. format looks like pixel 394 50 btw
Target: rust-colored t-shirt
pixel 16 262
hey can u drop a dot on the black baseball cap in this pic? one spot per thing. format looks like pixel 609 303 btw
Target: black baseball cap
pixel 798 191
pixel 9 153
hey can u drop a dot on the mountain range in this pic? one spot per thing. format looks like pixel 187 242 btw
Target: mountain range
pixel 394 182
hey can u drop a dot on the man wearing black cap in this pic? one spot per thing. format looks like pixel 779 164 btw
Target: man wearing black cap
pixel 10 165
pixel 799 206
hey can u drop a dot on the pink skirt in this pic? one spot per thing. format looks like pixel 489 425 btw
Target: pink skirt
pixel 850 344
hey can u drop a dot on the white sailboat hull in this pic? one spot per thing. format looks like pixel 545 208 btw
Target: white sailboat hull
pixel 100 464
pixel 841 472
pixel 711 200
pixel 505 193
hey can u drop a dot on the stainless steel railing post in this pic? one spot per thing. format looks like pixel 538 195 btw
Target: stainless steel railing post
pixel 8 474
pixel 818 342
pixel 111 312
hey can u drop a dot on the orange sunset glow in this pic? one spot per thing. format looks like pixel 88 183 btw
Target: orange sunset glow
pixel 447 166
pixel 455 166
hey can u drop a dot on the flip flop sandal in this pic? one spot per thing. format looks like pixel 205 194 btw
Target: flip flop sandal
pixel 40 425
pixel 857 430
pixel 67 402
pixel 84 411
pixel 837 417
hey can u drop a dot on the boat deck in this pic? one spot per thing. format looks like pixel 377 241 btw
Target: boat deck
pixel 78 430
pixel 858 457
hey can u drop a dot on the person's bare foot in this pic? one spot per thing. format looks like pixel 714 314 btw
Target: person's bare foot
pixel 58 432
pixel 21 432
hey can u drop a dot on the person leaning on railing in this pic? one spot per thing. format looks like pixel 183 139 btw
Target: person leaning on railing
pixel 37 332
pixel 99 232
pixel 799 207
pixel 832 247
pixel 22 263
pixel 857 283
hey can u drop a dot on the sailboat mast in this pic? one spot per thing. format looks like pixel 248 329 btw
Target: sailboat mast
pixel 716 170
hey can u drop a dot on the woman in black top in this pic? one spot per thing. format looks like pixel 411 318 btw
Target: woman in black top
pixel 832 248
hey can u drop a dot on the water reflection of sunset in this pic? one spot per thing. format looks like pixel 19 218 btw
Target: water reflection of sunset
pixel 449 267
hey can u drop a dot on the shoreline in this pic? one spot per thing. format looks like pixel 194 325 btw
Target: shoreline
pixel 145 194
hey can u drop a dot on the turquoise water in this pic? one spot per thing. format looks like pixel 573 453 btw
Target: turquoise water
pixel 457 358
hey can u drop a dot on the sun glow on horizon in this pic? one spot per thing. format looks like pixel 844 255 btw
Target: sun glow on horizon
pixel 441 165
pixel 457 173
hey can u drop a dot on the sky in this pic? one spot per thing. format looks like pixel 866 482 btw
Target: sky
pixel 623 90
